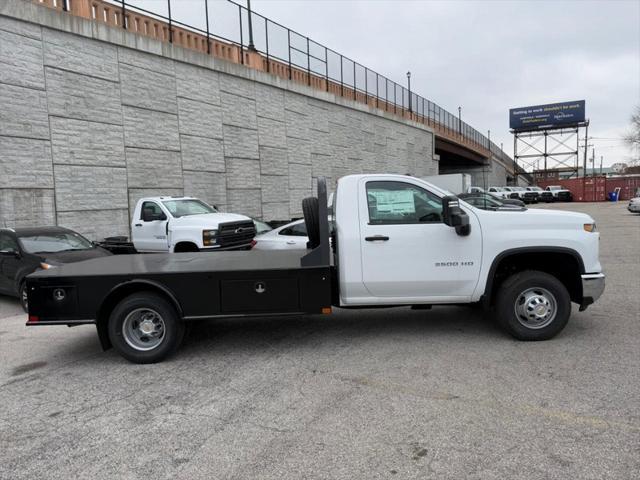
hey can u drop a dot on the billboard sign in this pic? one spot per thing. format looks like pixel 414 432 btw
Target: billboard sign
pixel 553 115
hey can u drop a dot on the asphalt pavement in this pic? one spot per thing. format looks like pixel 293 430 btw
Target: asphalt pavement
pixel 396 393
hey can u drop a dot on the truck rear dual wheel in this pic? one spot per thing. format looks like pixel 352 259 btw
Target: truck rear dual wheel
pixel 145 328
pixel 533 305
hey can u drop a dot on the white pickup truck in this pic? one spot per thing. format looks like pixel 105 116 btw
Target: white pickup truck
pixel 397 241
pixel 185 224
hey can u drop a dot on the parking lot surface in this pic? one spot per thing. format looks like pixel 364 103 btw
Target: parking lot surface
pixel 360 394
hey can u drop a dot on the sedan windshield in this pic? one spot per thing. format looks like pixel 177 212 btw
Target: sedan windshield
pixel 54 242
pixel 182 208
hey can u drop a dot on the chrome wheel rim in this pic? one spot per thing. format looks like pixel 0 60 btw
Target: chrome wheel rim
pixel 536 308
pixel 24 297
pixel 143 329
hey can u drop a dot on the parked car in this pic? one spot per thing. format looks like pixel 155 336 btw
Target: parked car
pixel 634 205
pixel 501 192
pixel 525 195
pixel 291 235
pixel 560 194
pixel 486 201
pixel 496 196
pixel 511 192
pixel 543 195
pixel 25 250
pixel 183 224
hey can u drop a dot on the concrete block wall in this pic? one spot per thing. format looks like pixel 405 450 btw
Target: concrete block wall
pixel 94 118
pixel 494 174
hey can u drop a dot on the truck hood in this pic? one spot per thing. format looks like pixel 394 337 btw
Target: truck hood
pixel 549 217
pixel 207 220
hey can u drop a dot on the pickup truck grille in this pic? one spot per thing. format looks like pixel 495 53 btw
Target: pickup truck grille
pixel 565 196
pixel 236 233
pixel 530 196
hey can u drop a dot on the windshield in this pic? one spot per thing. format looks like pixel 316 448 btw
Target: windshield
pixel 182 208
pixel 54 242
pixel 261 227
pixel 554 187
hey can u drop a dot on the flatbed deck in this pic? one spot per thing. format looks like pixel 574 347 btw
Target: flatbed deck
pixel 174 263
pixel 201 285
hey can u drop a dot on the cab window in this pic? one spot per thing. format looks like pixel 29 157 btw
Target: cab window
pixel 8 243
pixel 400 202
pixel 151 208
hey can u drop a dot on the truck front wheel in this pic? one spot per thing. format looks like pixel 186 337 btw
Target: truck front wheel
pixel 144 328
pixel 533 305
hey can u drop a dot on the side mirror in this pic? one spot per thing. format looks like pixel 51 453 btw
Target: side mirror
pixel 454 216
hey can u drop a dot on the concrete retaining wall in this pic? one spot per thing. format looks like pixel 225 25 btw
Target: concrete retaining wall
pixel 493 174
pixel 94 118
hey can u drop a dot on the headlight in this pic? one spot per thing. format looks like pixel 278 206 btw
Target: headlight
pixel 46 266
pixel 209 237
pixel 589 227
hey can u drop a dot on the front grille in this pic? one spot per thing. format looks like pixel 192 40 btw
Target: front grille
pixel 564 195
pixel 236 233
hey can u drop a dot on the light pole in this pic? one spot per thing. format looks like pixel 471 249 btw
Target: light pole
pixel 460 120
pixel 251 46
pixel 409 85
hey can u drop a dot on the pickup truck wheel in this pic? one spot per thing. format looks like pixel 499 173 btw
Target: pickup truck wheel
pixel 533 305
pixel 24 300
pixel 311 220
pixel 144 328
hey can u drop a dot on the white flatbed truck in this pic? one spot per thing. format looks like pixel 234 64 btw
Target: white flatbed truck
pixel 397 241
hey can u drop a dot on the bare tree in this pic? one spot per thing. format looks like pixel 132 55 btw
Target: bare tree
pixel 632 137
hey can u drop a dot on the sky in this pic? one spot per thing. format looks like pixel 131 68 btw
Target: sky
pixel 484 56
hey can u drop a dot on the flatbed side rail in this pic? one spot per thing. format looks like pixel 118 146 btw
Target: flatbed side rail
pixel 320 256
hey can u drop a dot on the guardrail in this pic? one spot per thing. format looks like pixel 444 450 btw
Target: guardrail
pixel 286 53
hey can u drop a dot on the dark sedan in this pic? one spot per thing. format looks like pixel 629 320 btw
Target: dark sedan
pixel 25 250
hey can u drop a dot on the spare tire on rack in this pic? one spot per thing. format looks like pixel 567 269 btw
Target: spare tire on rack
pixel 311 220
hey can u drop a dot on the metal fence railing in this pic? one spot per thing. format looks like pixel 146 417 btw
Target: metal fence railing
pixel 230 30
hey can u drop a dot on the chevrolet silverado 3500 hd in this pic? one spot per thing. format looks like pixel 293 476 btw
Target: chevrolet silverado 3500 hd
pixel 397 241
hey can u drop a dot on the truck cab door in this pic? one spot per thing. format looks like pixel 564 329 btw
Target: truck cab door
pixel 149 231
pixel 408 253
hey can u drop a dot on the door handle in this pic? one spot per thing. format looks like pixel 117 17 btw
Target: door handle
pixel 291 242
pixel 138 225
pixel 377 238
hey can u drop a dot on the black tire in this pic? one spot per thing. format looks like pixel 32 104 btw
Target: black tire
pixel 136 304
pixel 22 296
pixel 311 220
pixel 516 312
